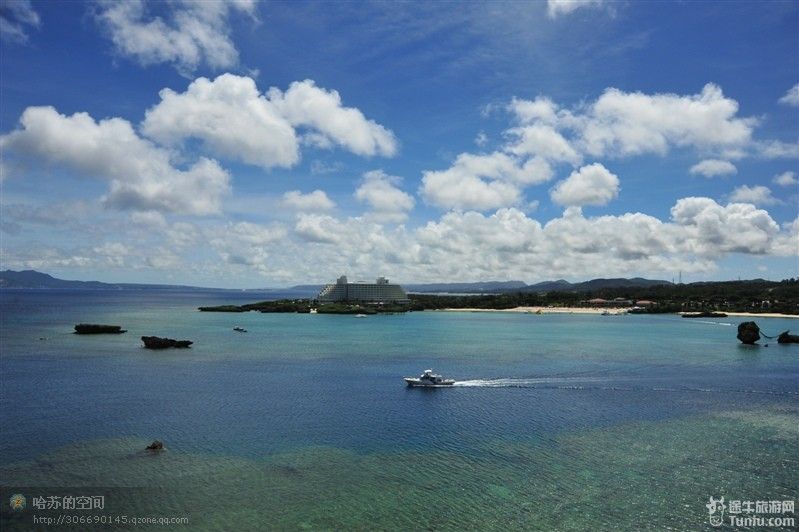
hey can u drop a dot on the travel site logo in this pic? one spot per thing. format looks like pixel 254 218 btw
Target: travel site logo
pixel 716 509
pixel 759 513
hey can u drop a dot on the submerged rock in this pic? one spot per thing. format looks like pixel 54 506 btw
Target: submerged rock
pixel 93 328
pixel 157 445
pixel 787 338
pixel 748 332
pixel 154 342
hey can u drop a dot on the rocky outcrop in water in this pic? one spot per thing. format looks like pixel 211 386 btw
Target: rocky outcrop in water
pixel 157 445
pixel 748 332
pixel 93 328
pixel 705 314
pixel 154 342
pixel 787 338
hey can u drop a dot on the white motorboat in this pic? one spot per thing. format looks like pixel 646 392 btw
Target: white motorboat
pixel 428 379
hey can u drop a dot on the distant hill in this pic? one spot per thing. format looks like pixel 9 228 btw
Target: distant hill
pixel 34 279
pixel 593 284
pixel 549 286
pixel 489 287
pixel 307 287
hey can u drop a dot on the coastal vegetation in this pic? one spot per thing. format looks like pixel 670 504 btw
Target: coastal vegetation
pixel 729 296
pixel 280 305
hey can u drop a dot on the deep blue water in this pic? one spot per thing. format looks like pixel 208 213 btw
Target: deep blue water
pixel 296 381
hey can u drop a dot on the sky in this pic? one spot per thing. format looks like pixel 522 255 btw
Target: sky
pixel 250 144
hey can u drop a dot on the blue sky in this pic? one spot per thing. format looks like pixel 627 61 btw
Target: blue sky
pixel 245 144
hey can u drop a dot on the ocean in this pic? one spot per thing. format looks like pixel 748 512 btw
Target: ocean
pixel 557 422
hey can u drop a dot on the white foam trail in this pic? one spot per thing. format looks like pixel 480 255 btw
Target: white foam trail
pixel 576 383
pixel 518 383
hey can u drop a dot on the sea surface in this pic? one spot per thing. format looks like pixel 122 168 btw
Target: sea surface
pixel 558 422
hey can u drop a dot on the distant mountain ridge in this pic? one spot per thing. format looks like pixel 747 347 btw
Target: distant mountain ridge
pixel 489 287
pixel 561 285
pixel 594 284
pixel 34 279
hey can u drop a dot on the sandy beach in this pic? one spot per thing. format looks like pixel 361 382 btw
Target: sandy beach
pixel 612 311
pixel 761 315
pixel 541 310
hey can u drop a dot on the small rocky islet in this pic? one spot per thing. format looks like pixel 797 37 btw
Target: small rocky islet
pixel 95 328
pixel 150 342
pixel 705 314
pixel 787 338
pixel 749 334
pixel 157 445
pixel 156 342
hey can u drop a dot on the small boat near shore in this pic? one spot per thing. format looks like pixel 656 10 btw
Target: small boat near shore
pixel 239 329
pixel 428 379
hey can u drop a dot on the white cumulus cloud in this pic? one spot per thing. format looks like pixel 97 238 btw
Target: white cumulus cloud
pixel 786 179
pixel 541 110
pixel 791 97
pixel 617 124
pixel 590 185
pixel 631 123
pixel 543 141
pixel 757 195
pixel 710 229
pixel 386 200
pixel 188 34
pixel 713 167
pixel 246 244
pixel 305 104
pixel 320 228
pixel 235 121
pixel 777 149
pixel 230 116
pixel 313 201
pixel 483 181
pixel 140 174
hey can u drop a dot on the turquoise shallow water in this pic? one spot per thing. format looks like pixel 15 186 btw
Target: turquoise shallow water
pixel 560 422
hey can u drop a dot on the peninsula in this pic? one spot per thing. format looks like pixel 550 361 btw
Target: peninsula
pixel 756 297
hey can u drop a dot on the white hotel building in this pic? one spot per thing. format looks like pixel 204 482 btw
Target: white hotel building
pixel 381 291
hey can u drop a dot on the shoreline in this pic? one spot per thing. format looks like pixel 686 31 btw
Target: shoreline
pixel 538 310
pixel 761 315
pixel 599 311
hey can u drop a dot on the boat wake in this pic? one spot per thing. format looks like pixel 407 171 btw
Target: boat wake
pixel 604 384
pixel 527 383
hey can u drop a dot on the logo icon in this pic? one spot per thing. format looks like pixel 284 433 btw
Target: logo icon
pixel 18 502
pixel 715 508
